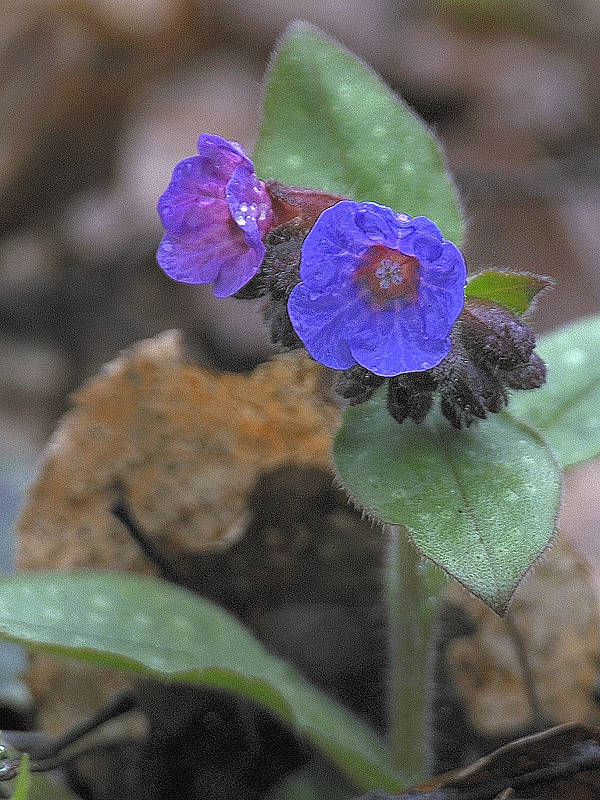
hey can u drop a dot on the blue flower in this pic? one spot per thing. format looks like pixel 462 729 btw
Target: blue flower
pixel 215 212
pixel 378 289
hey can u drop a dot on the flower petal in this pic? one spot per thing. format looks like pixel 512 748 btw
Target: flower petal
pixel 394 342
pixel 249 204
pixel 237 273
pixel 447 276
pixel 193 260
pixel 410 237
pixel 220 157
pixel 183 261
pixel 321 324
pixel 189 197
pixel 340 237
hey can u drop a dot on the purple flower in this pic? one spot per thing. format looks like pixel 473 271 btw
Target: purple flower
pixel 378 288
pixel 215 212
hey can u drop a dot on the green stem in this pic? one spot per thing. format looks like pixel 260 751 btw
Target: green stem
pixel 413 586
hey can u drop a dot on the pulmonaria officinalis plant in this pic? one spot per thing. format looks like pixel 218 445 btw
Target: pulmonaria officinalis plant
pixel 366 290
pixel 347 224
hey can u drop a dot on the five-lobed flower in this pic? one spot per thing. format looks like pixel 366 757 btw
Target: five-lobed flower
pixel 378 289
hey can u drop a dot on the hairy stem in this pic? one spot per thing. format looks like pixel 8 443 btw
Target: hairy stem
pixel 412 588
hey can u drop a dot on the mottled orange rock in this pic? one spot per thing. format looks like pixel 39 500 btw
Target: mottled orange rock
pixel 185 442
pixel 556 612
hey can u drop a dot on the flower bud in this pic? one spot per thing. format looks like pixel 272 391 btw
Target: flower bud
pixel 410 396
pixel 357 384
pixel 493 337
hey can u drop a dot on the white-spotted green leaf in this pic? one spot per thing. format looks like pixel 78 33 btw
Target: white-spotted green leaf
pixel 481 503
pixel 156 629
pixel 331 123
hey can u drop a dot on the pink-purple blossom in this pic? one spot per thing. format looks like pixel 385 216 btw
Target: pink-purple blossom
pixel 215 212
pixel 379 289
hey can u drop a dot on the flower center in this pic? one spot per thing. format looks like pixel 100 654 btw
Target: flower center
pixel 385 275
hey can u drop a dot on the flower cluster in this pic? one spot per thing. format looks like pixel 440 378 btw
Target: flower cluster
pixel 376 294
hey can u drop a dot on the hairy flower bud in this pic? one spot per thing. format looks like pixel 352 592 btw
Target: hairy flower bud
pixel 491 352
pixel 358 384
pixel 529 376
pixel 410 396
pixel 494 337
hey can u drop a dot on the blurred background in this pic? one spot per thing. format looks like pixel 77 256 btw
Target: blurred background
pixel 100 98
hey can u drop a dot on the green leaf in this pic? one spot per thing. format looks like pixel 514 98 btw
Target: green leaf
pixel 481 503
pixel 330 123
pixel 317 780
pixel 156 629
pixel 513 290
pixel 23 780
pixel 566 410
